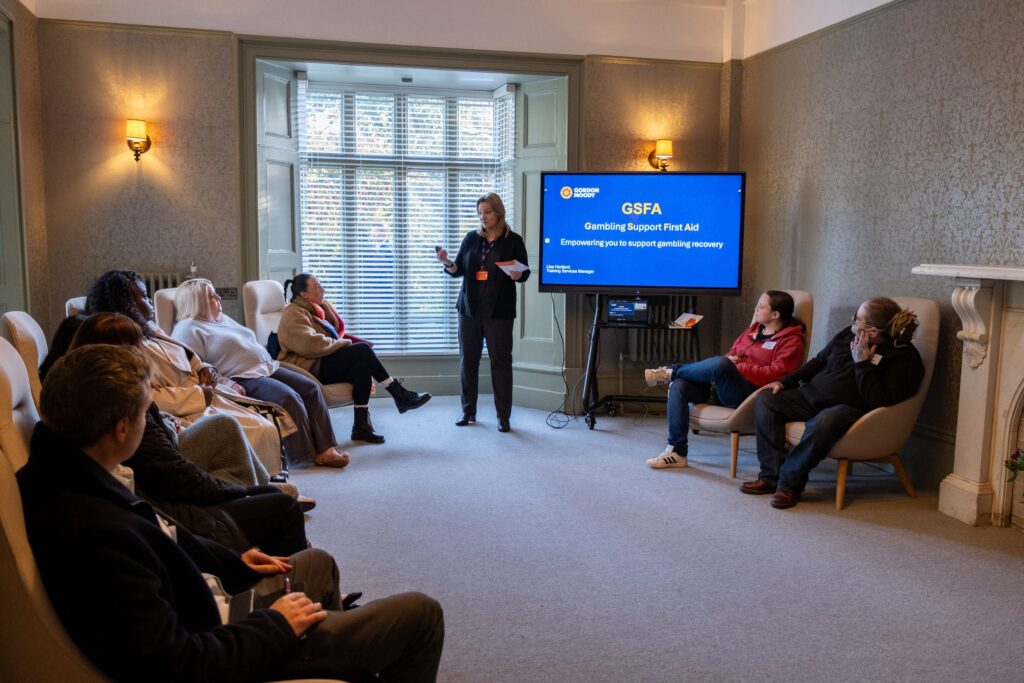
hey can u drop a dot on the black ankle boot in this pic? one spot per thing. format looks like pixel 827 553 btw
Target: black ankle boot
pixel 362 428
pixel 405 399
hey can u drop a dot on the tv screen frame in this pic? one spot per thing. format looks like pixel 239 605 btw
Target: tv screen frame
pixel 582 185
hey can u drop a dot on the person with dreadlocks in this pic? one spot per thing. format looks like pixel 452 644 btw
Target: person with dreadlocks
pixel 869 365
pixel 183 385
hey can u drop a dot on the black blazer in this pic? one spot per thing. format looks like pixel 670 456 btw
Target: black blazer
pixel 131 598
pixel 498 287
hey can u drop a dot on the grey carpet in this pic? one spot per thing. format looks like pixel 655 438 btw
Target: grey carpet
pixel 559 556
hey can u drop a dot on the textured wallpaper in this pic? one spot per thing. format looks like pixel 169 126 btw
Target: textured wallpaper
pixel 180 202
pixel 627 105
pixel 887 142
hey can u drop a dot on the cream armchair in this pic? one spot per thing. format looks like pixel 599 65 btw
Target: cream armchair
pixel 879 434
pixel 740 420
pixel 30 342
pixel 75 305
pixel 163 305
pixel 264 301
pixel 35 646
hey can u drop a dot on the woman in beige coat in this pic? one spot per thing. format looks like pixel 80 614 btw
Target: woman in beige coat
pixel 183 385
pixel 312 336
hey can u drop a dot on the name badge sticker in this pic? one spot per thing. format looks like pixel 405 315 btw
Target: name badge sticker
pixel 876 359
pixel 481 275
pixel 769 345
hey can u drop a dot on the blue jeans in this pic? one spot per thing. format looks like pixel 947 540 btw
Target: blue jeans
pixel 825 426
pixel 692 384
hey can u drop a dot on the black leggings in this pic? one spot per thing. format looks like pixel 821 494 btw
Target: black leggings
pixel 356 364
pixel 270 519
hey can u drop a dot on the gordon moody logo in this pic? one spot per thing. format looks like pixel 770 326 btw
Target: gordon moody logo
pixel 579 192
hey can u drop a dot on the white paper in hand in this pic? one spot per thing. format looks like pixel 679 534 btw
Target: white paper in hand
pixel 512 266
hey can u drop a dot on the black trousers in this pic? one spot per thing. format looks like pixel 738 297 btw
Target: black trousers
pixel 498 334
pixel 270 519
pixel 356 364
pixel 399 637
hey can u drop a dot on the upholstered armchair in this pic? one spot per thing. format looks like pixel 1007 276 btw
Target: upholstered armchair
pixel 879 434
pixel 740 420
pixel 264 302
pixel 75 305
pixel 30 342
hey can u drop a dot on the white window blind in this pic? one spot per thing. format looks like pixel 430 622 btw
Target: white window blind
pixel 386 174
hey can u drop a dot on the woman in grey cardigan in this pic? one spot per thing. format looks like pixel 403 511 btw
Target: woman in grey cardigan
pixel 236 353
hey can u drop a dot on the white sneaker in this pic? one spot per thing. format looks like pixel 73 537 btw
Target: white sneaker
pixel 657 376
pixel 667 459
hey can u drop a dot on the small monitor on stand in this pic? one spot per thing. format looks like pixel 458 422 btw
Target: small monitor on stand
pixel 627 311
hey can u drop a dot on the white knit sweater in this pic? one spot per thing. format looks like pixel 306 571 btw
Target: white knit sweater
pixel 228 346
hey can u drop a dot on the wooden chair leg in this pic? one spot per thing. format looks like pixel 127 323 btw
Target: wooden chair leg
pixel 844 465
pixel 897 465
pixel 734 456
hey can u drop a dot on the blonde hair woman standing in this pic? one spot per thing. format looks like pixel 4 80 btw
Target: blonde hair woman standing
pixel 487 305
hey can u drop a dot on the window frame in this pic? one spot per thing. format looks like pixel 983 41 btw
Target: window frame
pixel 457 217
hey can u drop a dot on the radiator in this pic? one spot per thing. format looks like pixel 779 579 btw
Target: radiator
pixel 155 281
pixel 660 344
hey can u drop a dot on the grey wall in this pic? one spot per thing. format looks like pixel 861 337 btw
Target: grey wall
pixel 180 201
pixel 627 105
pixel 892 140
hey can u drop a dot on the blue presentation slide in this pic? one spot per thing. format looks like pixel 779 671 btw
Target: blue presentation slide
pixel 642 230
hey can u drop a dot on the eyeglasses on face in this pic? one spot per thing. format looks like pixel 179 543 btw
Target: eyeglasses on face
pixel 863 325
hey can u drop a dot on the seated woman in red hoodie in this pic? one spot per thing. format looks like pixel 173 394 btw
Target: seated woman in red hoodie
pixel 771 347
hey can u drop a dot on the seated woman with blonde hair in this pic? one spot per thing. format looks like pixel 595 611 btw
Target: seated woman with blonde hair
pixel 234 350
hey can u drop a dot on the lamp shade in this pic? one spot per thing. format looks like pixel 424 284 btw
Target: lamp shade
pixel 662 149
pixel 136 129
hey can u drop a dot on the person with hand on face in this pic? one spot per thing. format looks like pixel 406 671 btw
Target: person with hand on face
pixel 487 305
pixel 144 599
pixel 869 365
pixel 203 326
pixel 312 336
pixel 771 347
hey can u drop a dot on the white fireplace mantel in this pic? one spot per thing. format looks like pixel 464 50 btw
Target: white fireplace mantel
pixel 991 390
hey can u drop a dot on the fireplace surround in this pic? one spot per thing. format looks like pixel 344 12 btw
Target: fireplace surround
pixel 990 303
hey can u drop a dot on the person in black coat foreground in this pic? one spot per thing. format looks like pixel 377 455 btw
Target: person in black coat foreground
pixel 142 598
pixel 869 365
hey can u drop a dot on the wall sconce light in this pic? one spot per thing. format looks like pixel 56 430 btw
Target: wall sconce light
pixel 138 140
pixel 659 156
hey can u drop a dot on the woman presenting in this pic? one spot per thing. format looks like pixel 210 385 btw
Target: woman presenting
pixel 487 305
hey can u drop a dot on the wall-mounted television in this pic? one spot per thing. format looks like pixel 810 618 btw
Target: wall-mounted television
pixel 641 234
